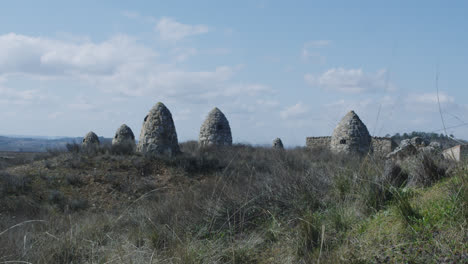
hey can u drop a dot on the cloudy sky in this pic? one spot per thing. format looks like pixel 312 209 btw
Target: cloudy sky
pixel 276 69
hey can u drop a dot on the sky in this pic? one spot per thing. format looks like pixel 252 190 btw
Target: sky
pixel 288 69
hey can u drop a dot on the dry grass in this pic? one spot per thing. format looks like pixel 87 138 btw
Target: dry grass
pixel 240 204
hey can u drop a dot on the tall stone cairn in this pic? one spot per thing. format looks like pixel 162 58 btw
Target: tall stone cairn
pixel 91 140
pixel 351 136
pixel 215 130
pixel 124 140
pixel 278 144
pixel 158 135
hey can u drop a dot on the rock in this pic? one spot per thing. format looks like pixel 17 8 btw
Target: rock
pixel 351 136
pixel 215 130
pixel 278 144
pixel 406 149
pixel 393 175
pixel 435 145
pixel 158 135
pixel 418 142
pixel 90 140
pixel 124 140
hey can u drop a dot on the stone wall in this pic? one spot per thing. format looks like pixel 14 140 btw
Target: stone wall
pixel 456 153
pixel 318 142
pixel 383 146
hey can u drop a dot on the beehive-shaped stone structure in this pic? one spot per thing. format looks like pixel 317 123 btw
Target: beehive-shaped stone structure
pixel 158 135
pixel 124 140
pixel 351 136
pixel 278 144
pixel 215 130
pixel 91 140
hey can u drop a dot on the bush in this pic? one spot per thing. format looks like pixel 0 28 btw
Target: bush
pixel 12 184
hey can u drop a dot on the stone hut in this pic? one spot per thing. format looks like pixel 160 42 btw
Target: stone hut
pixel 215 130
pixel 91 140
pixel 124 140
pixel 278 144
pixel 158 135
pixel 351 136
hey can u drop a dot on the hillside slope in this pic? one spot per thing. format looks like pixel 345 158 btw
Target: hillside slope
pixel 232 205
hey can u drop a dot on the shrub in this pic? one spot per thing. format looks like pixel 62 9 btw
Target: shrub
pixel 309 233
pixel 74 180
pixel 12 184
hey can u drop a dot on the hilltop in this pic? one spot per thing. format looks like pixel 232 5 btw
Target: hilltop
pixel 238 204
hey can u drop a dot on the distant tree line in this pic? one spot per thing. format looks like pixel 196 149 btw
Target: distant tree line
pixel 431 136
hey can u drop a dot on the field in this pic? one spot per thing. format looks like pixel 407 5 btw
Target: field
pixel 240 204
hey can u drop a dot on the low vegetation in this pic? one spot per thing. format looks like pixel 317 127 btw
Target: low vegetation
pixel 240 204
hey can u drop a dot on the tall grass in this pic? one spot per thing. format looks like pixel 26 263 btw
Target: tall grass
pixel 238 204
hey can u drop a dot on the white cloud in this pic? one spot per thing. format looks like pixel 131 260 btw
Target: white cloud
pixel 20 54
pixel 171 30
pixel 293 111
pixel 317 43
pixel 350 81
pixel 19 97
pixel 431 98
pixel 309 51
pixel 182 54
pixel 119 66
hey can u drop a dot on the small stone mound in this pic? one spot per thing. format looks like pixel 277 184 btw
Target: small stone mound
pixel 351 136
pixel 90 140
pixel 215 130
pixel 418 142
pixel 414 146
pixel 158 135
pixel 278 144
pixel 405 150
pixel 124 140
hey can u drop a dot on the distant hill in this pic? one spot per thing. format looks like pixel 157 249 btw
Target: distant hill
pixel 37 144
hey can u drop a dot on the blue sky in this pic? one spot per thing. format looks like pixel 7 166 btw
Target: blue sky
pixel 275 68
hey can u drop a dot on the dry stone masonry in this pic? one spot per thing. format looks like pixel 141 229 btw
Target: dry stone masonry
pixel 124 139
pixel 278 144
pixel 158 135
pixel 351 136
pixel 90 140
pixel 318 142
pixel 215 130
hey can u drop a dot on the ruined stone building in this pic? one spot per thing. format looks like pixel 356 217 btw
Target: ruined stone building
pixel 457 153
pixel 352 137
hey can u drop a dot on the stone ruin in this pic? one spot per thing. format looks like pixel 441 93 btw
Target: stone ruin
pixel 414 146
pixel 215 130
pixel 91 140
pixel 158 135
pixel 278 144
pixel 352 137
pixel 457 153
pixel 124 140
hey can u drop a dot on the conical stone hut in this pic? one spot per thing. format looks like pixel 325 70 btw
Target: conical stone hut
pixel 215 130
pixel 90 140
pixel 158 135
pixel 278 144
pixel 351 136
pixel 124 140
